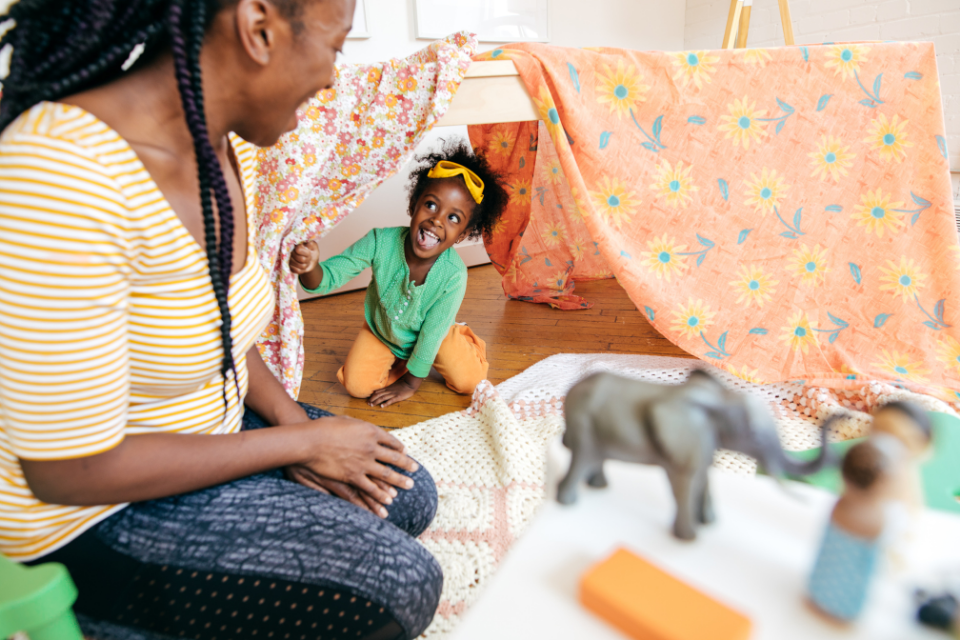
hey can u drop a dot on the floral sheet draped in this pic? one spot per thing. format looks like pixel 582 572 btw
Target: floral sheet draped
pixel 349 140
pixel 784 213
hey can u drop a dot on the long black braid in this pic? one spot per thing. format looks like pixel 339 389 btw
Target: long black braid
pixel 62 48
pixel 186 56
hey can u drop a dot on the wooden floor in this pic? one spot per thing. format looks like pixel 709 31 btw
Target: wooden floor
pixel 518 334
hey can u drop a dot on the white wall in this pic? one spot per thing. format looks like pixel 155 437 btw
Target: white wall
pixel 630 24
pixel 815 21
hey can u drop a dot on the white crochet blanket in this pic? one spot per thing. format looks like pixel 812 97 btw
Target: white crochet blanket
pixel 489 461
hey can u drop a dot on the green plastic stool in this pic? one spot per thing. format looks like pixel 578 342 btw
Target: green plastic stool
pixel 940 474
pixel 37 600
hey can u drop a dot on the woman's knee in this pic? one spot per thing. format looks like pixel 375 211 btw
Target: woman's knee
pixel 415 599
pixel 414 509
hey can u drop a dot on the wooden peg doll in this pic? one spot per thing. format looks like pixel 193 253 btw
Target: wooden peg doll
pixel 910 425
pixel 851 544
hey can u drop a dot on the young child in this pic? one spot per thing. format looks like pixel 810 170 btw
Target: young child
pixel 418 282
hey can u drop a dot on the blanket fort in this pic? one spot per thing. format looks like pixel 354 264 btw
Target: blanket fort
pixel 783 213
pixel 348 140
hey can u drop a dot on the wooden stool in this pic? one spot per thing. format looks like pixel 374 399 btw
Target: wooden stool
pixel 740 15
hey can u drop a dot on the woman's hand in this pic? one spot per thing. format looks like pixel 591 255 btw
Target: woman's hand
pixel 342 490
pixel 402 389
pixel 305 257
pixel 349 458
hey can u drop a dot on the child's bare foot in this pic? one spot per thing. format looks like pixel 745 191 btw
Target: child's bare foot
pixel 397 392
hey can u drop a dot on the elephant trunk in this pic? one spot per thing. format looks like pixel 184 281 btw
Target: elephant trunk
pixel 777 463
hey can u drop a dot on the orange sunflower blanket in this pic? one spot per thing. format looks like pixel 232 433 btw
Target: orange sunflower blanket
pixel 783 213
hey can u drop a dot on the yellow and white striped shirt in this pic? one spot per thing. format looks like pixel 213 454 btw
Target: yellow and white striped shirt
pixel 108 321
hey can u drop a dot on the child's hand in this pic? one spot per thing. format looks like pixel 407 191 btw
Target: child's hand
pixel 400 390
pixel 305 257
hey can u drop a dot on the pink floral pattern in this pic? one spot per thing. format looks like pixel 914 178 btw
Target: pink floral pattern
pixel 350 138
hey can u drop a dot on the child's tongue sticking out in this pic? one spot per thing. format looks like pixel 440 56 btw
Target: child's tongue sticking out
pixel 427 239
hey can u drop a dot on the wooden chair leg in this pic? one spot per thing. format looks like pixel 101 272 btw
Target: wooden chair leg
pixel 733 18
pixel 787 22
pixel 744 24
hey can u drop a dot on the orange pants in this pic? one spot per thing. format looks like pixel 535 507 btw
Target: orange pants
pixel 370 365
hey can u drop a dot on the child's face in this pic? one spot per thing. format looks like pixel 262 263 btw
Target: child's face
pixel 441 217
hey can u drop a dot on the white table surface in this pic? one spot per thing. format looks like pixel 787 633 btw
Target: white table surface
pixel 755 558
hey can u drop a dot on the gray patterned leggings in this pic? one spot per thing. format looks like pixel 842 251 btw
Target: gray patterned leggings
pixel 260 557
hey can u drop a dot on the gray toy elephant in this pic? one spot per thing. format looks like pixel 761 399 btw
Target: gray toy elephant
pixel 675 426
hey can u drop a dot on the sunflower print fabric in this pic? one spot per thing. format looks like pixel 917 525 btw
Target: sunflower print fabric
pixel 348 140
pixel 784 213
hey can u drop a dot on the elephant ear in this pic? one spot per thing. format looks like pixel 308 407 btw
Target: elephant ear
pixel 703 375
pixel 705 391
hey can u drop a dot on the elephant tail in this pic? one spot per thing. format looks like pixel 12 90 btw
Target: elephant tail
pixel 794 467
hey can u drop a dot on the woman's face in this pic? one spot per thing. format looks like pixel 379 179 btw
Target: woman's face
pixel 292 61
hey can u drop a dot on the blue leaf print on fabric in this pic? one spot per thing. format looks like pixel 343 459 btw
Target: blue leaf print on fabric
pixel 937 322
pixel 824 99
pixel 913 75
pixel 697 120
pixel 923 205
pixel 834 208
pixel 787 112
pixel 654 143
pixel 834 333
pixel 855 272
pixel 724 189
pixel 496 53
pixel 574 76
pixel 759 331
pixel 874 98
pixel 527 257
pixel 605 139
pixel 743 236
pixel 650 313
pixel 719 352
pixel 794 231
pixel 880 320
pixel 547 262
pixel 523 162
pixel 942 145
pixel 626 255
pixel 701 255
pixel 806 54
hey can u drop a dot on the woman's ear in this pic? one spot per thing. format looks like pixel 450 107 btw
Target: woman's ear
pixel 259 26
pixel 463 236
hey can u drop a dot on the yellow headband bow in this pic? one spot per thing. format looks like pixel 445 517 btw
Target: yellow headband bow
pixel 447 169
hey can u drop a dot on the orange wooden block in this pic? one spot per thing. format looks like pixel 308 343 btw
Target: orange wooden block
pixel 647 603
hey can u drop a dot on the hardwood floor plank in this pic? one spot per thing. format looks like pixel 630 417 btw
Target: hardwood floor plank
pixel 518 335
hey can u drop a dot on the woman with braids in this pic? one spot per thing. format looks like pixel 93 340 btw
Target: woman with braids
pixel 130 300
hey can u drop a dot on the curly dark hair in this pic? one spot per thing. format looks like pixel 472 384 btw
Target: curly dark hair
pixel 485 214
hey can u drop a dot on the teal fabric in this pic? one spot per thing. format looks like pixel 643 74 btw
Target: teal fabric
pixel 412 321
pixel 842 572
